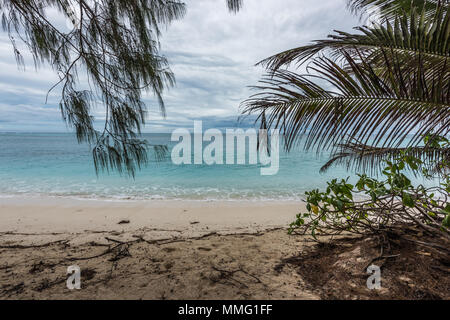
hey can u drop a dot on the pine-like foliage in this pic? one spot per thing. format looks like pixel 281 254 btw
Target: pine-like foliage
pixel 115 45
pixel 234 5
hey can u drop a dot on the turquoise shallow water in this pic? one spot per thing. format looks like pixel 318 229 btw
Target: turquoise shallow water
pixel 36 164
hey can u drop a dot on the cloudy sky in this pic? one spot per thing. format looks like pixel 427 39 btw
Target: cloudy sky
pixel 212 53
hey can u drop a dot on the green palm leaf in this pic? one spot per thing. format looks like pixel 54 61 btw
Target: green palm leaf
pixel 390 9
pixel 364 95
pixel 359 105
pixel 361 157
pixel 411 35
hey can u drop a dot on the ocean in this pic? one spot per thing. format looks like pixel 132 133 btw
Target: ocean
pixel 54 164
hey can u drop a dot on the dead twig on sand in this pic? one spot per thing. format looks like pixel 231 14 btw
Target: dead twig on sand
pixel 15 289
pixel 18 246
pixel 229 275
pixel 46 284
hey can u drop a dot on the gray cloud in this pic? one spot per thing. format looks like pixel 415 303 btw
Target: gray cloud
pixel 212 53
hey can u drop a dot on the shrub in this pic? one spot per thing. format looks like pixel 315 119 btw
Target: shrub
pixel 391 205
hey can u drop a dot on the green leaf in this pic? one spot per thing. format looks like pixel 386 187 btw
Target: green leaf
pixel 408 200
pixel 446 222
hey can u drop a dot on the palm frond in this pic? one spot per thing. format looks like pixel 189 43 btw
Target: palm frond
pixel 390 9
pixel 412 35
pixel 365 158
pixel 360 105
pixel 386 86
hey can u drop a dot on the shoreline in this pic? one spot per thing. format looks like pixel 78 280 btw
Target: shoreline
pixel 88 220
pixel 48 197
pixel 165 250
pixel 192 250
pixel 42 197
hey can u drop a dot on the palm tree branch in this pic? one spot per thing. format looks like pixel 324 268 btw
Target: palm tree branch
pixel 389 9
pixel 362 157
pixel 364 106
pixel 325 121
pixel 423 39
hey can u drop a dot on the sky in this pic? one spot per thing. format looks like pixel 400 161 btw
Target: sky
pixel 211 51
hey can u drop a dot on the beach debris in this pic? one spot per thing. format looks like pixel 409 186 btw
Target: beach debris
pixel 120 252
pixel 18 246
pixel 38 267
pixel 195 222
pixel 9 290
pixel 228 276
pixel 47 284
pixel 125 221
pixel 88 274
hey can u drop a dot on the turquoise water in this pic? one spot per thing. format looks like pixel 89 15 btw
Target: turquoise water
pixel 36 164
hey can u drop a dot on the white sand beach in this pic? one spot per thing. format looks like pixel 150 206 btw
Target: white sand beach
pixel 148 250
pixel 151 219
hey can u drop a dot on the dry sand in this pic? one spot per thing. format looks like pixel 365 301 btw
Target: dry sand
pixel 148 249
